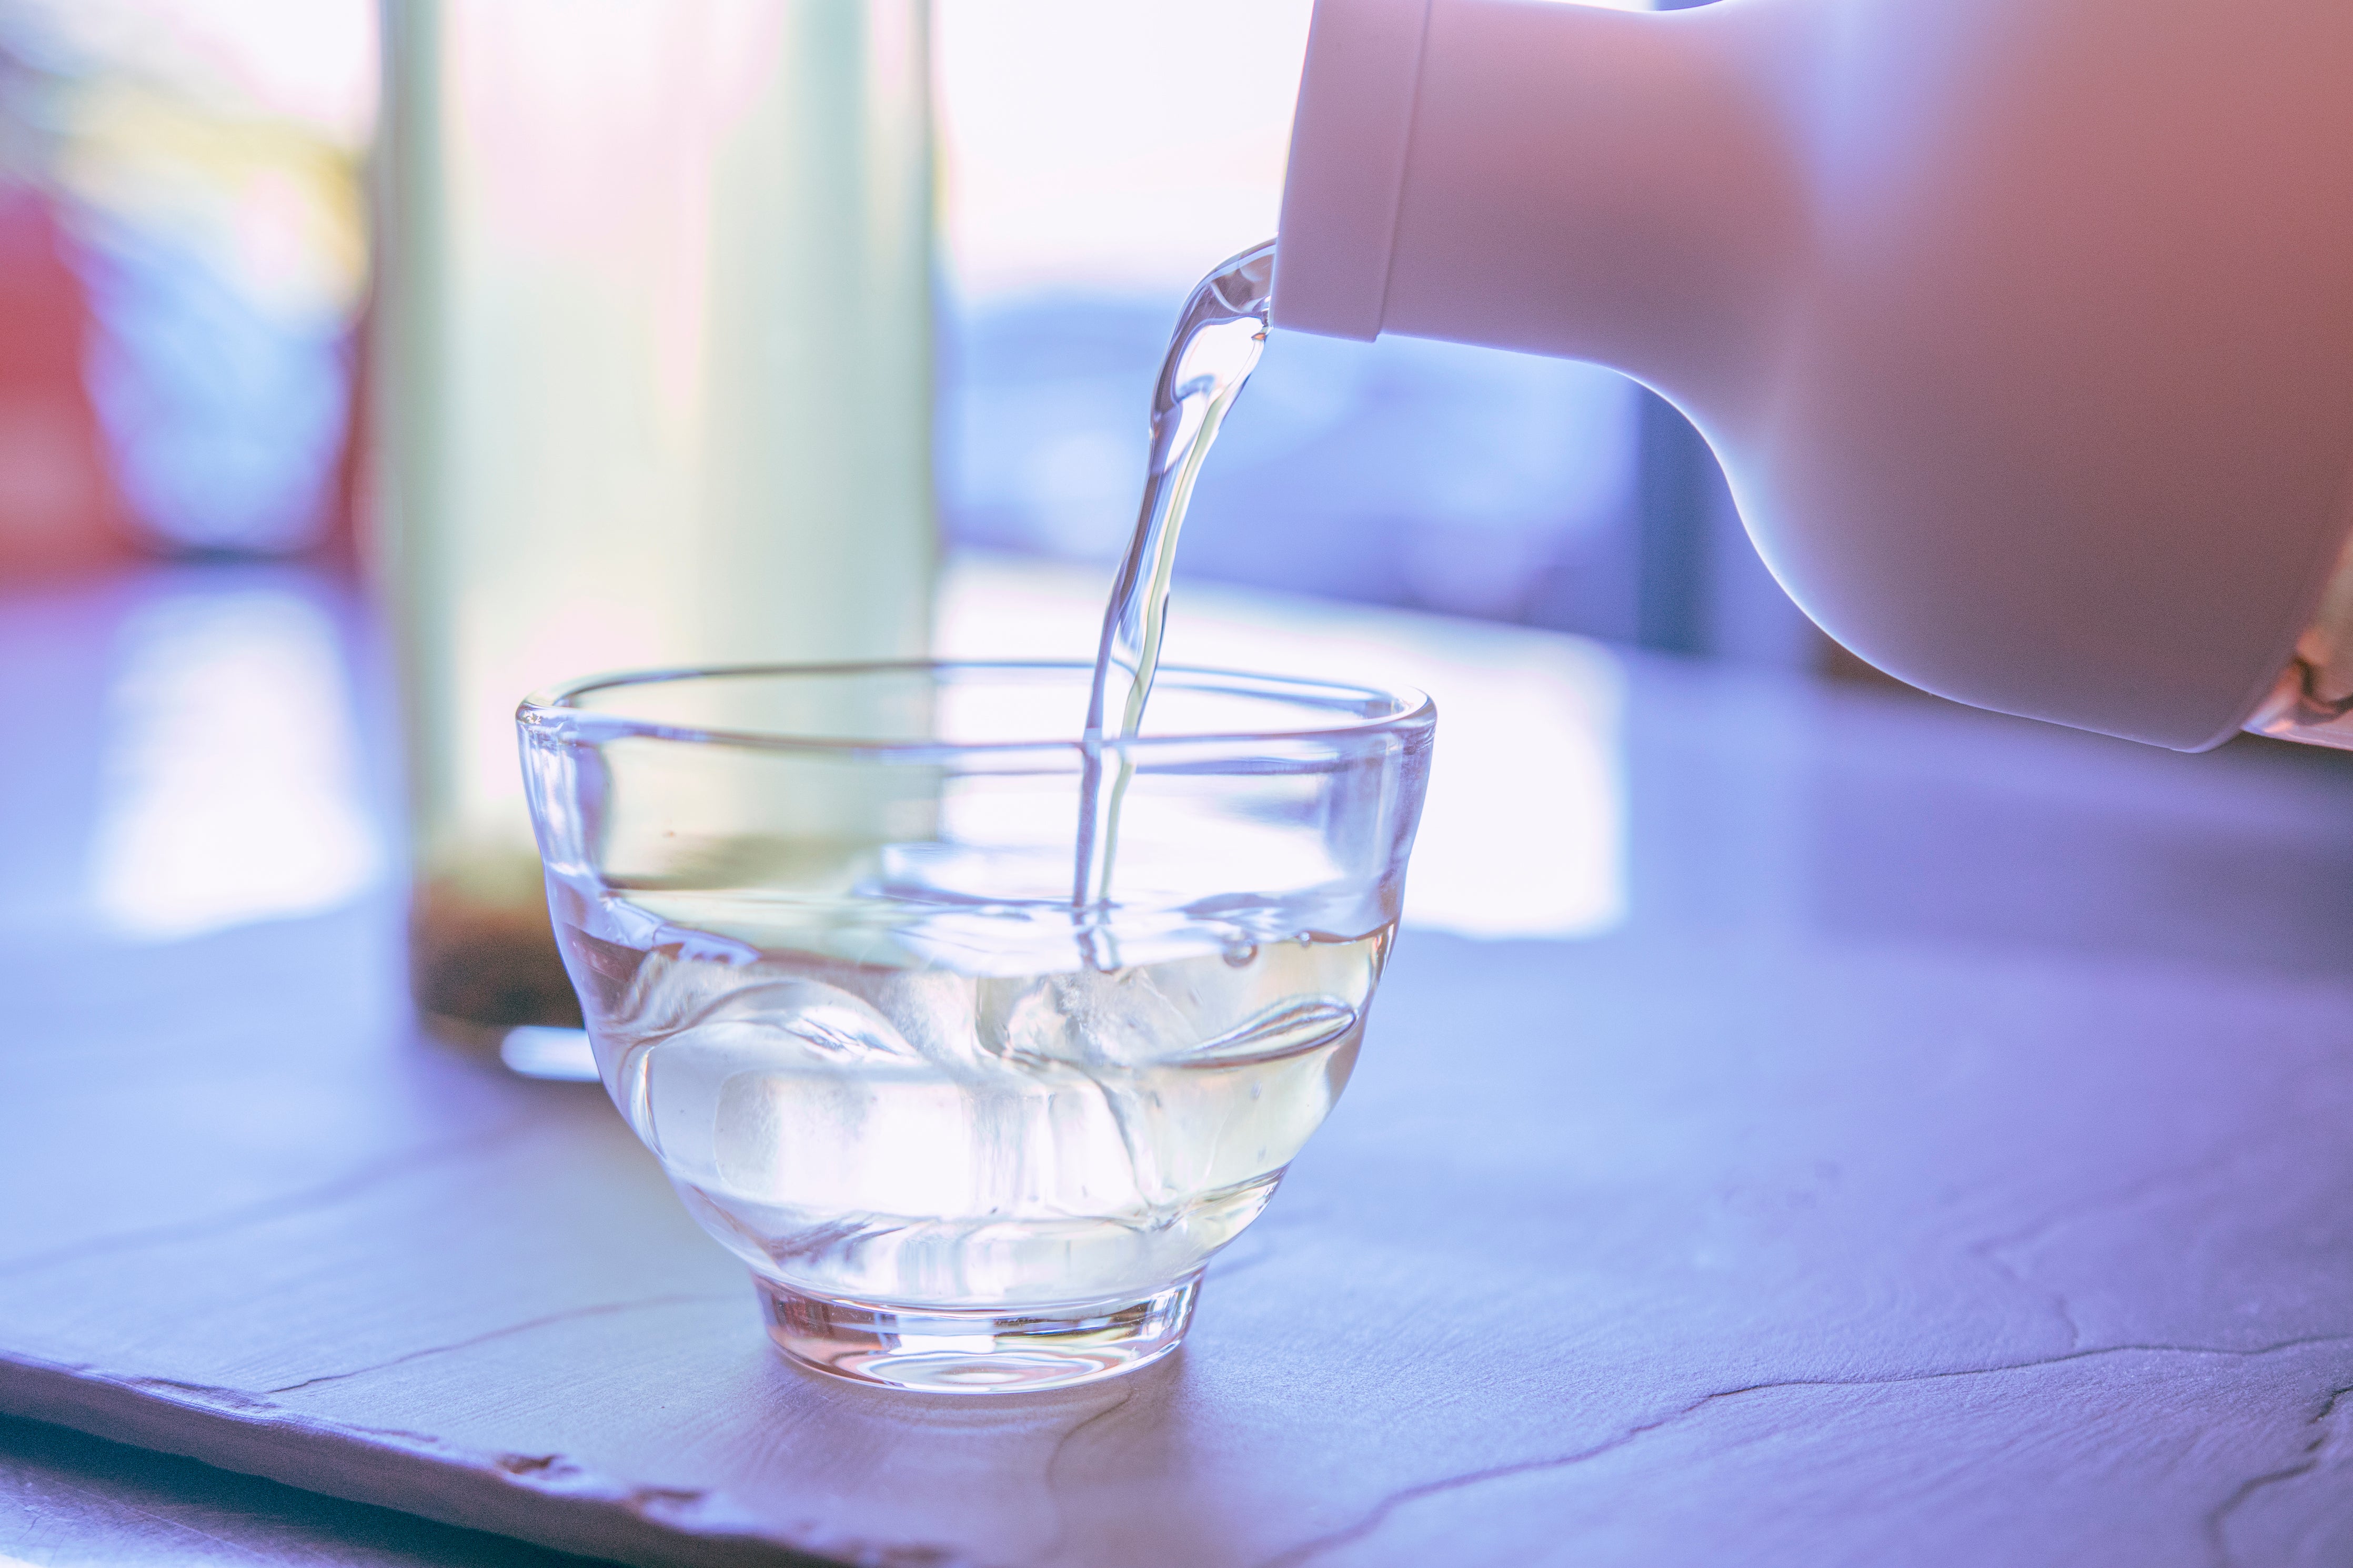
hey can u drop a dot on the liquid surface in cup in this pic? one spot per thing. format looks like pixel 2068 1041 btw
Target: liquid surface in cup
pixel 914 1134
pixel 1217 343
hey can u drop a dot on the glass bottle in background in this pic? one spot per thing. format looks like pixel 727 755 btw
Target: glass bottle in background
pixel 654 343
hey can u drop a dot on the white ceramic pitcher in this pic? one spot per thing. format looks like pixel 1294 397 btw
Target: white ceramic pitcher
pixel 2023 328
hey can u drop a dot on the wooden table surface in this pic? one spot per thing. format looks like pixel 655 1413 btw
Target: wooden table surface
pixel 1921 1138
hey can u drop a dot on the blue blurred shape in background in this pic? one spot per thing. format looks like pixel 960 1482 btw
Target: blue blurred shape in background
pixel 1403 472
pixel 226 418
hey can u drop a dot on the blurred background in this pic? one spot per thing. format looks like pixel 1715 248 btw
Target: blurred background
pixel 183 276
pixel 1096 159
pixel 184 287
pixel 453 347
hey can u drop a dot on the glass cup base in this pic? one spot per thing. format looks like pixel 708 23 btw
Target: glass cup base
pixel 935 1349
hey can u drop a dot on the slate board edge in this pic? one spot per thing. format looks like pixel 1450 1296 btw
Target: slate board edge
pixel 543 1499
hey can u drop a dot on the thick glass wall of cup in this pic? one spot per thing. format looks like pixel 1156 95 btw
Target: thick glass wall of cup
pixel 655 389
pixel 821 927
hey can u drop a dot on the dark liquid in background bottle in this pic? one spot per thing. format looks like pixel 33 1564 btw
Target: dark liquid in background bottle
pixel 481 964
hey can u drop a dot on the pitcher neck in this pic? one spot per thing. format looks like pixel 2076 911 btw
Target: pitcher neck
pixel 1606 185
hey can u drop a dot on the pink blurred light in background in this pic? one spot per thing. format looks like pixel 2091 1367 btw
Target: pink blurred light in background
pixel 196 168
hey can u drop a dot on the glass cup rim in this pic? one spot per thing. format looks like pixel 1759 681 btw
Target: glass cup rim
pixel 552 708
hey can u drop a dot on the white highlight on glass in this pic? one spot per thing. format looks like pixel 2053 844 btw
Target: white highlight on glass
pixel 230 789
pixel 561 1056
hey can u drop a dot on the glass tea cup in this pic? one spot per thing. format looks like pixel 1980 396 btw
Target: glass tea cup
pixel 970 1133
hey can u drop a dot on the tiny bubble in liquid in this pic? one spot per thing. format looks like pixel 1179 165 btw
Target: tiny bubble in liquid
pixel 1240 955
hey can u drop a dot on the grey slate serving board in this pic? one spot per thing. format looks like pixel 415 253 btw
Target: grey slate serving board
pixel 1945 1162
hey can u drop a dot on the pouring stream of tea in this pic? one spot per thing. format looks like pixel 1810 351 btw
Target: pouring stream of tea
pixel 1216 346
